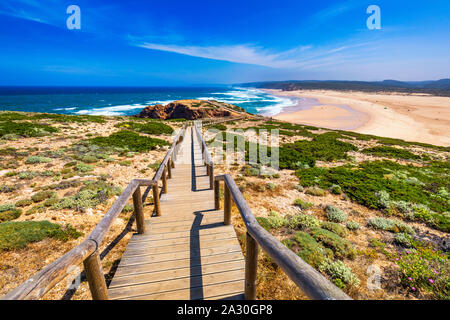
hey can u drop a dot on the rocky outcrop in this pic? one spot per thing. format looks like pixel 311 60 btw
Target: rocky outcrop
pixel 186 109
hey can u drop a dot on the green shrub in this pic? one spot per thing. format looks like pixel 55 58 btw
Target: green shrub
pixel 334 227
pixel 315 191
pixel 303 204
pixel 341 247
pixel 42 195
pixel 337 270
pixel 152 127
pixel 403 239
pixel 424 269
pixel 24 203
pixel 89 159
pixel 9 212
pixel 335 214
pixel 27 175
pixel 18 234
pixel 310 250
pixel 82 167
pixel 37 159
pixel 300 221
pixel 390 225
pixel 128 208
pixel 353 225
pixel 336 189
pixel 128 140
pixel 273 221
pixel 7 189
pixel 25 129
pixel 390 152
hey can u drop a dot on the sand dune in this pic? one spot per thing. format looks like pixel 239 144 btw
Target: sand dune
pixel 421 118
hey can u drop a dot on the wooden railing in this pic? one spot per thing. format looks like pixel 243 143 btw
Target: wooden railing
pixel 206 157
pixel 309 280
pixel 88 251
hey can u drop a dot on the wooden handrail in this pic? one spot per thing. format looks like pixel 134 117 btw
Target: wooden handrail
pixel 309 280
pixel 87 252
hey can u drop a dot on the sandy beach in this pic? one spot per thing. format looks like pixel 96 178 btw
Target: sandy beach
pixel 421 118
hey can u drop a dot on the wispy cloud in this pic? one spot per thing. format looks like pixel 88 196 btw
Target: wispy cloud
pixel 302 57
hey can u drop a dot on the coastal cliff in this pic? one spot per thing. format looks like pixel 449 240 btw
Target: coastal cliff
pixel 190 110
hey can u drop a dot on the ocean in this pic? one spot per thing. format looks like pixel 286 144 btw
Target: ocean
pixel 115 101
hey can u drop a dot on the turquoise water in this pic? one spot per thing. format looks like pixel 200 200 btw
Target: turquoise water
pixel 130 101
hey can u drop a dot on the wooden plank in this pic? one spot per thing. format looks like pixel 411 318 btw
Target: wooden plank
pixel 177 284
pixel 170 242
pixel 155 276
pixel 180 263
pixel 179 234
pixel 138 251
pixel 150 258
pixel 232 288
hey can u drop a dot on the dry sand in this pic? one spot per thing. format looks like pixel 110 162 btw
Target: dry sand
pixel 420 118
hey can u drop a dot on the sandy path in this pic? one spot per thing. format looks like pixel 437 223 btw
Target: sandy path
pixel 410 117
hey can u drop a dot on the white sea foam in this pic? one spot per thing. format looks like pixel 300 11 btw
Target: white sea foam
pixel 111 111
pixel 65 109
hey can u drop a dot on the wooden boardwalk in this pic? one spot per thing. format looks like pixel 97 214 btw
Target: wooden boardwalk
pixel 188 252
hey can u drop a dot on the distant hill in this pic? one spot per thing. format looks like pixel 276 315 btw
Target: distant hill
pixel 438 87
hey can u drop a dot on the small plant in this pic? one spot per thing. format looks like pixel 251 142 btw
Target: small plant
pixel 303 221
pixel 273 221
pixel 336 189
pixel 303 204
pixel 315 191
pixel 390 225
pixel 341 247
pixel 37 159
pixel 353 225
pixel 335 214
pixel 335 228
pixel 339 272
pixel 9 212
pixel 42 195
pixel 310 250
pixel 82 167
pixel 27 175
pixel 24 203
pixel 18 234
pixel 403 239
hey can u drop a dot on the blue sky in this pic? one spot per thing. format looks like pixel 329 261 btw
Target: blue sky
pixel 160 43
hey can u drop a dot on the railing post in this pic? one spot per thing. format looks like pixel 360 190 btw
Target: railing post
pixel 95 277
pixel 227 206
pixel 211 176
pixel 251 267
pixel 172 162
pixel 156 199
pixel 164 180
pixel 138 210
pixel 216 194
pixel 169 169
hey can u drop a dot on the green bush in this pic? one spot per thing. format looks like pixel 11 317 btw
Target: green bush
pixel 353 225
pixel 152 127
pixel 390 152
pixel 390 225
pixel 334 227
pixel 423 269
pixel 315 191
pixel 42 195
pixel 9 212
pixel 303 204
pixel 18 234
pixel 8 189
pixel 37 159
pixel 82 167
pixel 310 250
pixel 335 214
pixel 337 270
pixel 27 175
pixel 273 221
pixel 24 203
pixel 403 239
pixel 25 129
pixel 128 140
pixel 301 221
pixel 341 247
pixel 336 189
